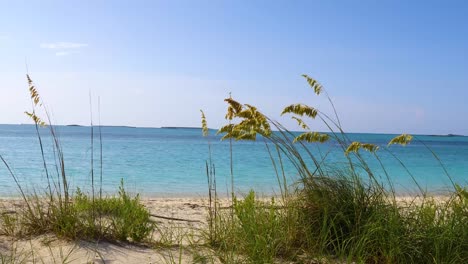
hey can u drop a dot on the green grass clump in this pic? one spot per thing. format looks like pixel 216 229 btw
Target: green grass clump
pixel 346 218
pixel 258 228
pixel 257 231
pixel 121 218
pixel 334 209
pixel 439 230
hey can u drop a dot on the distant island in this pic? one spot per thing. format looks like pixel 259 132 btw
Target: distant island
pixel 181 127
pixel 121 126
pixel 448 135
pixel 74 125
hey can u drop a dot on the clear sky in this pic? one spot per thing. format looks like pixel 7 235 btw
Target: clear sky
pixel 390 66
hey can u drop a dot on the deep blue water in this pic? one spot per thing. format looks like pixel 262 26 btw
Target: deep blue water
pixel 171 162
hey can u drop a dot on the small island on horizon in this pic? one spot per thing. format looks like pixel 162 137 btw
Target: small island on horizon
pixel 448 135
pixel 75 125
pixel 176 127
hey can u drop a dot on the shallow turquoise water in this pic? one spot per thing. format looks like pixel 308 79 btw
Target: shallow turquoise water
pixel 171 162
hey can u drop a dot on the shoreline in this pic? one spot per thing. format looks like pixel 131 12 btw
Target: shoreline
pixel 240 195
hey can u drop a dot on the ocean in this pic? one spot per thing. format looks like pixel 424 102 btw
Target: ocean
pixel 169 162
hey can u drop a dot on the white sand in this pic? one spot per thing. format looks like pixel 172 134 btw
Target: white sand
pixel 49 249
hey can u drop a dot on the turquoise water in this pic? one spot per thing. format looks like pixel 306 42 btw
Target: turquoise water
pixel 171 162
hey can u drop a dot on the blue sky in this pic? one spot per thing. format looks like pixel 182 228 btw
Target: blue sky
pixel 390 66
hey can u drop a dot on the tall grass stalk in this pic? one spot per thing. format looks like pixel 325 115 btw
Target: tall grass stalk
pixel 100 149
pixel 92 144
pixel 334 211
pixel 212 187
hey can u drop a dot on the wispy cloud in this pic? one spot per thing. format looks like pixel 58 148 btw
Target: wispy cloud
pixel 62 53
pixel 63 45
pixel 64 48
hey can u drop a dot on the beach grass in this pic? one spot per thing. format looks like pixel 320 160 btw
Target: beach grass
pixel 121 218
pixel 73 215
pixel 333 214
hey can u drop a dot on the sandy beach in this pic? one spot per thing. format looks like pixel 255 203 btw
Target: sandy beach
pixel 179 222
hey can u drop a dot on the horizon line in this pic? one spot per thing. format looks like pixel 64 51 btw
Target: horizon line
pixel 194 127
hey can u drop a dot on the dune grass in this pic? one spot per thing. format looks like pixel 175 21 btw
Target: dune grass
pixel 73 215
pixel 340 215
pixel 121 218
